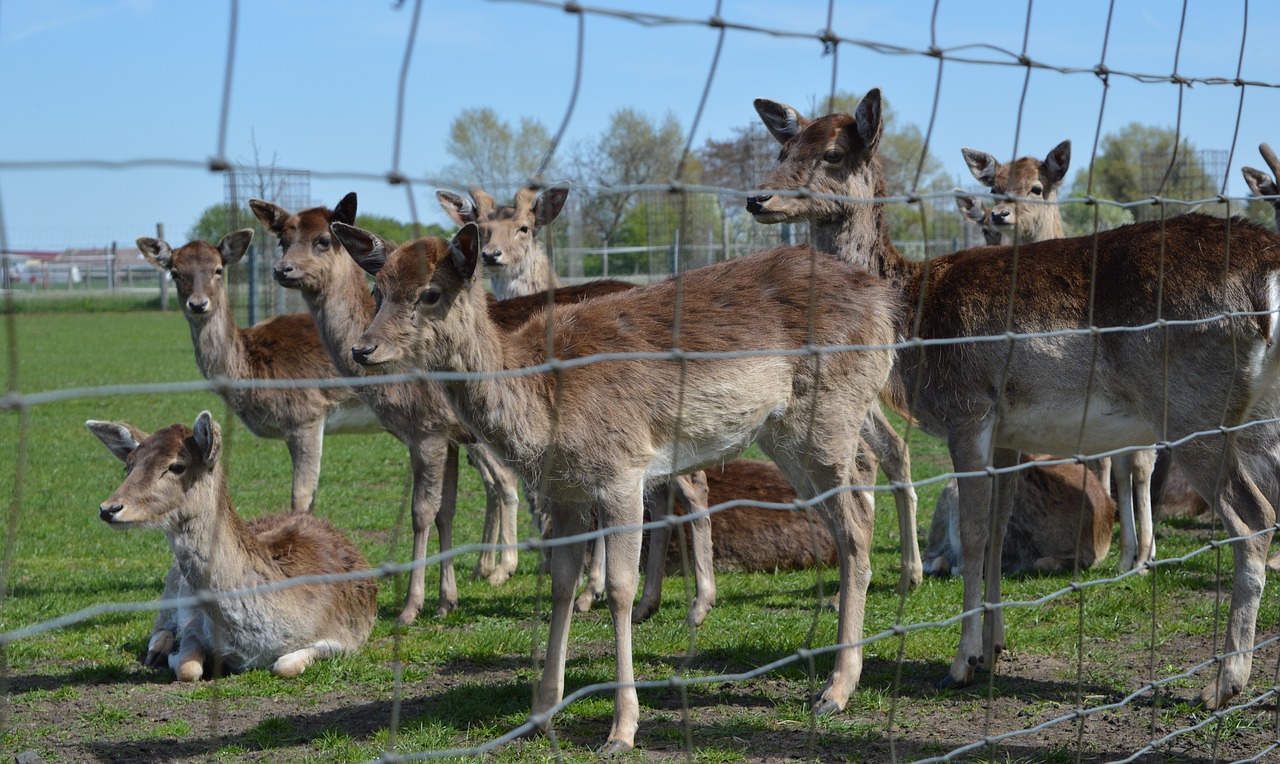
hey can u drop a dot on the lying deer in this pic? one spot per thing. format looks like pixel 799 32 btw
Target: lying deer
pixel 283 347
pixel 175 482
pixel 338 296
pixel 517 264
pixel 595 435
pixel 1076 391
pixel 1031 215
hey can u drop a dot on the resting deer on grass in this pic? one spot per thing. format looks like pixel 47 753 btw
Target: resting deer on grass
pixel 337 294
pixel 175 482
pixel 593 436
pixel 283 347
pixel 516 262
pixel 991 399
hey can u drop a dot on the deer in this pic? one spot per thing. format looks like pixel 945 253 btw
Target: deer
pixel 175 482
pixel 282 347
pixel 595 435
pixel 517 264
pixel 1027 392
pixel 1029 214
pixel 337 295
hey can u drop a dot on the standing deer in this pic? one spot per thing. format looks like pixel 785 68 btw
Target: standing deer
pixel 283 347
pixel 338 296
pixel 1029 392
pixel 1032 215
pixel 593 436
pixel 174 482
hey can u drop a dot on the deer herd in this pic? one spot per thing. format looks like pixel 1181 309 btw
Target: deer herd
pixel 606 400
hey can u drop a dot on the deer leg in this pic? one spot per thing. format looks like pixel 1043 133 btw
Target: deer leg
pixel 594 587
pixel 306 445
pixel 623 568
pixel 1123 472
pixel 939 557
pixel 693 492
pixel 433 460
pixel 993 639
pixel 296 662
pixel 1144 464
pixel 566 567
pixel 895 460
pixel 974 519
pixel 656 563
pixel 487 564
pixel 164 631
pixel 502 506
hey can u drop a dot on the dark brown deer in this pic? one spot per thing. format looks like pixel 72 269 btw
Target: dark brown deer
pixel 338 296
pixel 283 347
pixel 1051 394
pixel 594 435
pixel 174 482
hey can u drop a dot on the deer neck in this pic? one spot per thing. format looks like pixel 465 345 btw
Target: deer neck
pixel 341 311
pixel 218 343
pixel 210 542
pixel 860 236
pixel 536 276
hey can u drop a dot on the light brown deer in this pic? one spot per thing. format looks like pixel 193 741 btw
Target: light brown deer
pixel 594 435
pixel 991 399
pixel 977 212
pixel 1031 215
pixel 283 347
pixel 338 296
pixel 175 482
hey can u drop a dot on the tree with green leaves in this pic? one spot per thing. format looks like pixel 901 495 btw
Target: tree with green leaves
pixel 490 152
pixel 393 230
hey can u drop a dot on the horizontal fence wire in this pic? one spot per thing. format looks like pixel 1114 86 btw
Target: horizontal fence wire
pixel 720 25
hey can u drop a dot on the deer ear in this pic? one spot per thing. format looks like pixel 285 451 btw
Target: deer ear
pixel 970 207
pixel 459 209
pixel 235 244
pixel 784 122
pixel 548 206
pixel 119 438
pixel 367 249
pixel 869 117
pixel 464 251
pixel 345 212
pixel 1259 182
pixel 208 437
pixel 1057 162
pixel 272 217
pixel 982 165
pixel 156 252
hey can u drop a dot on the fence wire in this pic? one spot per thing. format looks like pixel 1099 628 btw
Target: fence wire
pixel 1259 695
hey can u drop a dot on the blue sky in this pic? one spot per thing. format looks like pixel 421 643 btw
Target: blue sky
pixel 315 85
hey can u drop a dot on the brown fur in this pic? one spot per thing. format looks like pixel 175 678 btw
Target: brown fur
pixel 1034 184
pixel 338 297
pixel 1216 372
pixel 175 482
pixel 282 347
pixel 594 435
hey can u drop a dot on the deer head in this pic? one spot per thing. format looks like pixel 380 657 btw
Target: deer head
pixel 1032 181
pixel 308 251
pixel 197 268
pixel 973 210
pixel 509 247
pixel 163 471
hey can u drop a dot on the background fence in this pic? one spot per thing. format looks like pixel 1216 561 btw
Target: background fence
pixel 1068 712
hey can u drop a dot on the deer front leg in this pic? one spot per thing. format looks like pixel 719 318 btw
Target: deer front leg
pixel 895 460
pixel 974 521
pixel 993 639
pixel 566 566
pixel 306 444
pixel 294 663
pixel 1144 464
pixel 502 507
pixel 164 632
pixel 434 463
pixel 593 588
pixel 623 568
pixel 658 501
pixel 693 492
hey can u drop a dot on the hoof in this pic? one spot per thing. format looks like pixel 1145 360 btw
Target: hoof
pixel 615 747
pixel 584 602
pixel 498 577
pixel 910 581
pixel 949 682
pixel 641 615
pixel 823 706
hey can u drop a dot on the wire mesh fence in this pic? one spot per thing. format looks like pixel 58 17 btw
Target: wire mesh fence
pixel 687 226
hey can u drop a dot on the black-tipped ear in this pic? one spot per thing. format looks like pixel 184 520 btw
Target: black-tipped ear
pixel 235 244
pixel 208 437
pixel 345 212
pixel 271 216
pixel 982 165
pixel 1057 162
pixel 549 204
pixel 367 249
pixel 784 122
pixel 464 250
pixel 156 252
pixel 460 209
pixel 869 116
pixel 120 438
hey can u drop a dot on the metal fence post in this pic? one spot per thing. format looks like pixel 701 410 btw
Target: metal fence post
pixel 164 275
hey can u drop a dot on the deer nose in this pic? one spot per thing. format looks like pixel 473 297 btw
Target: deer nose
pixel 107 512
pixel 491 257
pixel 999 216
pixel 360 353
pixel 283 272
pixel 756 204
pixel 198 306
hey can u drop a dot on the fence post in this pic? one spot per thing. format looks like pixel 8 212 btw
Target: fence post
pixel 253 284
pixel 111 266
pixel 164 275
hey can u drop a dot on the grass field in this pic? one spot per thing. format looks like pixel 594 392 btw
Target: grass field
pixel 78 693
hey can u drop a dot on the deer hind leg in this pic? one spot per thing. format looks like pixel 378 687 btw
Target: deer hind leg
pixel 657 501
pixel 895 460
pixel 434 461
pixel 1123 473
pixel 502 508
pixel 296 662
pixel 305 448
pixel 593 589
pixel 693 492
pixel 566 567
pixel 1133 484
pixel 993 638
pixel 939 556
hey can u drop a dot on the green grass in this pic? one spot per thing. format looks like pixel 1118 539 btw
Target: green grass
pixel 466 678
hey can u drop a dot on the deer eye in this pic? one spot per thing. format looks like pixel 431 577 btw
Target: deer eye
pixel 429 297
pixel 524 229
pixel 833 156
pixel 323 242
pixel 217 271
pixel 177 468
pixel 1036 190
